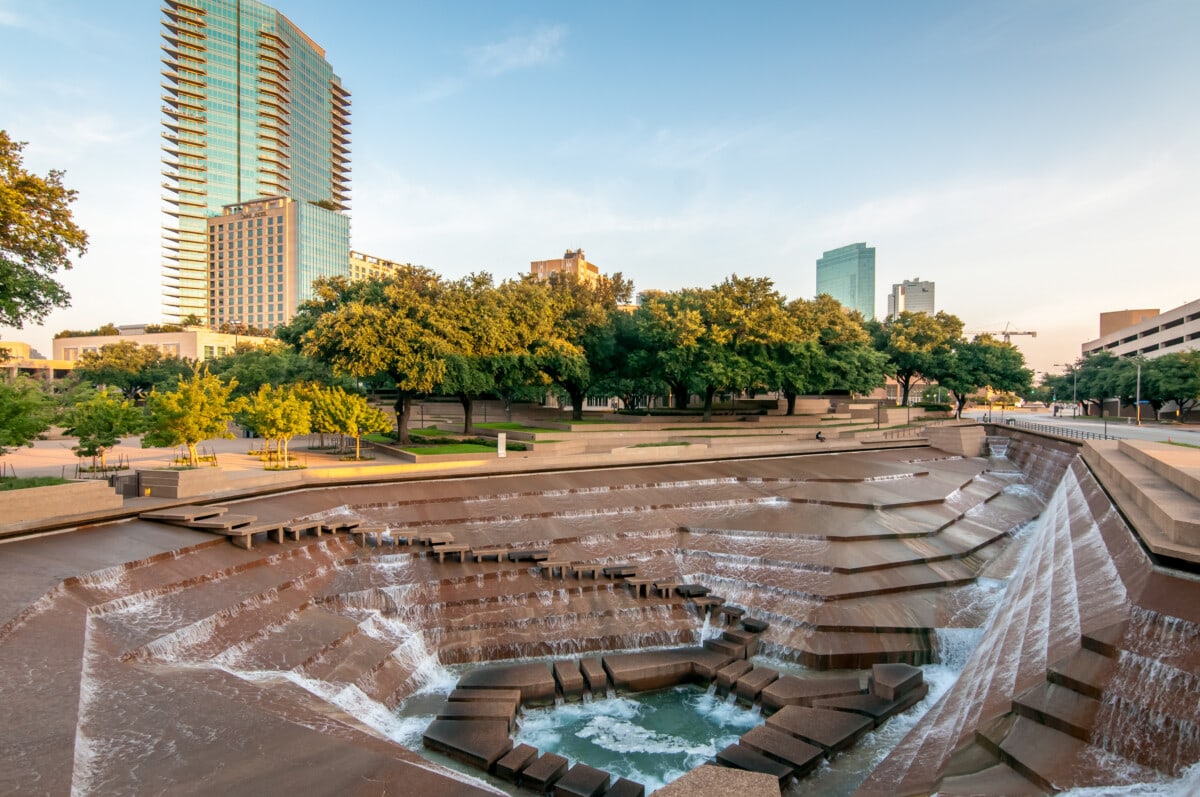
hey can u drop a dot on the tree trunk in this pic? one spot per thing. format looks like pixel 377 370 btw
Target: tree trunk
pixel 467 405
pixel 577 399
pixel 905 383
pixel 403 410
pixel 103 464
pixel 960 401
pixel 679 395
pixel 193 457
pixel 791 402
pixel 507 399
pixel 709 392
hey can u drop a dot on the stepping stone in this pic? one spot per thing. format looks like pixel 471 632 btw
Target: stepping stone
pixel 182 514
pixel 534 680
pixel 595 675
pixel 829 730
pixel 509 697
pixel 540 775
pixel 626 788
pixel 731 649
pixel 755 626
pixel 511 765
pixel 799 755
pixel 738 756
pixel 789 690
pixel 569 678
pixel 891 681
pixel 727 676
pixel 479 743
pixel 752 683
pixel 537 555
pixel 874 706
pixel 691 590
pixel 743 638
pixel 478 711
pixel 582 781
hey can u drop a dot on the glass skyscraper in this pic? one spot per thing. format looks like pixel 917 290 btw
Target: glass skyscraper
pixel 848 275
pixel 251 109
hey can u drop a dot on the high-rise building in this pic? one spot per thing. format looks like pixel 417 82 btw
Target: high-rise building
pixel 572 262
pixel 251 110
pixel 263 256
pixel 848 275
pixel 912 296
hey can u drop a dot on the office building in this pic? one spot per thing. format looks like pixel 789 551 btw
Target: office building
pixel 848 275
pixel 911 296
pixel 263 256
pixel 189 343
pixel 364 267
pixel 1172 331
pixel 573 262
pixel 251 109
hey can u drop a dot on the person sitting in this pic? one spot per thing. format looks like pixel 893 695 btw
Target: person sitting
pixel 820 437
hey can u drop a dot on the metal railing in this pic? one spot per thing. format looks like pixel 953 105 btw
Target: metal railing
pixel 1059 431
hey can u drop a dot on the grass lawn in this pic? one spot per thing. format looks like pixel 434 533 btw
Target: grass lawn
pixel 1185 445
pixel 9 483
pixel 450 448
pixel 512 426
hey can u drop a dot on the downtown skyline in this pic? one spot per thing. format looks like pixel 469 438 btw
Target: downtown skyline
pixel 1034 160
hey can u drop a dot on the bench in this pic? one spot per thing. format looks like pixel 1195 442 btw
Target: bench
pixel 450 548
pixel 333 527
pixel 295 528
pixel 361 532
pixel 435 538
pixel 730 614
pixel 641 586
pixel 533 555
pixel 665 588
pixel 620 571
pixel 691 590
pixel 479 554
pixel 563 566
pixel 582 567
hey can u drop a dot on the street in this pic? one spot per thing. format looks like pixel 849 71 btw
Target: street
pixel 1116 429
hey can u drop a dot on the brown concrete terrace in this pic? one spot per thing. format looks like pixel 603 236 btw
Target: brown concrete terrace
pixel 174 650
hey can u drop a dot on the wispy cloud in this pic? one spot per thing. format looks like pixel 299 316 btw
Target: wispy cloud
pixel 521 51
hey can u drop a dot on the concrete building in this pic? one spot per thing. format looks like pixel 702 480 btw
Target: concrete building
pixel 189 343
pixel 848 275
pixel 263 256
pixel 251 109
pixel 913 296
pixel 1173 331
pixel 1117 320
pixel 17 358
pixel 363 266
pixel 572 262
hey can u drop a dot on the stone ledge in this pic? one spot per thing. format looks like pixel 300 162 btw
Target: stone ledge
pixel 43 503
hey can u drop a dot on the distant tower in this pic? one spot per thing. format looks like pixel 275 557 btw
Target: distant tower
pixel 848 275
pixel 913 296
pixel 573 262
pixel 251 109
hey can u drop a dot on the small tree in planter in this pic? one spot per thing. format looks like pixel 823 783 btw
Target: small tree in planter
pixel 352 415
pixel 279 414
pixel 100 421
pixel 199 409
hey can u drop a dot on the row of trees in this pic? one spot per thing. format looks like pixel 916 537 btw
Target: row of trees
pixel 1170 379
pixel 468 338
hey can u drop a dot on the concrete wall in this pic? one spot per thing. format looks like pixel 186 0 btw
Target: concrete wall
pixel 42 503
pixel 967 441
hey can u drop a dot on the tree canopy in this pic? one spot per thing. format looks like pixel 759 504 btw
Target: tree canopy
pixel 200 408
pixel 25 412
pixel 37 237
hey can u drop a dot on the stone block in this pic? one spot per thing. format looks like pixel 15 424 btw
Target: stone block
pixel 514 762
pixel 737 756
pixel 640 672
pixel 788 690
pixel 874 706
pixel 582 781
pixel 727 676
pixel 478 743
pixel 754 625
pixel 626 788
pixel 534 680
pixel 569 678
pixel 752 683
pixel 540 775
pixel 892 681
pixel 742 637
pixel 801 756
pixel 731 649
pixel 509 697
pixel 827 729
pixel 480 710
pixel 594 675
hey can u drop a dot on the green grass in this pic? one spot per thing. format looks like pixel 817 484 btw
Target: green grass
pixel 379 438
pixel 662 444
pixel 450 448
pixel 9 483
pixel 512 426
pixel 1184 445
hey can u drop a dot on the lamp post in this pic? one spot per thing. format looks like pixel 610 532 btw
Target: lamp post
pixel 1075 388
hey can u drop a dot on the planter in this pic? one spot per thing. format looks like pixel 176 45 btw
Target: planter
pixel 59 500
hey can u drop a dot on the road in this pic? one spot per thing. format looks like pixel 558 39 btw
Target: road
pixel 1161 433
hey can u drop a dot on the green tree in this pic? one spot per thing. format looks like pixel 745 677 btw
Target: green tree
pixel 37 237
pixel 100 421
pixel 670 326
pixel 394 327
pixel 278 414
pixel 200 408
pixel 833 352
pixel 350 415
pixel 484 331
pixel 982 362
pixel 1176 378
pixel 123 365
pixel 25 412
pixel 914 342
pixel 1094 382
pixel 274 363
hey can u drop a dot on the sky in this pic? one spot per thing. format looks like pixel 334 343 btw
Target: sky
pixel 1037 160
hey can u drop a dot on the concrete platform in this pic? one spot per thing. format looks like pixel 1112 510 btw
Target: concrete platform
pixel 790 690
pixel 738 756
pixel 582 781
pixel 535 681
pixel 542 774
pixel 830 730
pixel 479 743
pixel 750 685
pixel 799 755
pixel 510 766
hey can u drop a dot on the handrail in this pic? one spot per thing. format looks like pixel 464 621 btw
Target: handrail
pixel 1059 431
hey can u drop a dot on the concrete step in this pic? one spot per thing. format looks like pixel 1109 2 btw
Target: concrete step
pixel 1058 707
pixel 1084 671
pixel 301 639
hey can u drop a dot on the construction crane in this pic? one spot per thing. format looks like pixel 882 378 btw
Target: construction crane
pixel 1005 334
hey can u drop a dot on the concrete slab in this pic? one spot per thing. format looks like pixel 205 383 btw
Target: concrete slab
pixel 827 729
pixel 874 706
pixel 892 681
pixel 479 743
pixel 801 756
pixel 790 690
pixel 478 711
pixel 727 676
pixel 510 766
pixel 569 678
pixel 594 675
pixel 752 683
pixel 534 680
pixel 628 788
pixel 540 775
pixel 582 781
pixel 738 756
pixel 508 697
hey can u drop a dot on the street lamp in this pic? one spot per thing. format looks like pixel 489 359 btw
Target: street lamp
pixel 1074 387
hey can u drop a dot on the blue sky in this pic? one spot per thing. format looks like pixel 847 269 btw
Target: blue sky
pixel 1037 160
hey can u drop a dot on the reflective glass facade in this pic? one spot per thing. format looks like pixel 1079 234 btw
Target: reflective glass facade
pixel 251 109
pixel 848 275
